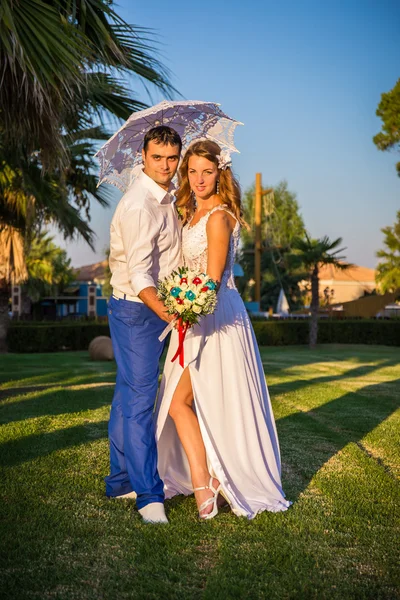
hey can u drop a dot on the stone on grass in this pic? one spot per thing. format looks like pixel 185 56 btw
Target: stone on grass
pixel 100 348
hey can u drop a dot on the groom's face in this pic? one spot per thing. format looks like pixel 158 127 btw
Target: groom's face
pixel 161 162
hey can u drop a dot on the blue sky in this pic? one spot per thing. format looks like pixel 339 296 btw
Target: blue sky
pixel 305 78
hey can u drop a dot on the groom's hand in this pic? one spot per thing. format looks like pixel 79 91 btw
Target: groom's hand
pixel 149 298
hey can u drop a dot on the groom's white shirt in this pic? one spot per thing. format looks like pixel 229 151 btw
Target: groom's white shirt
pixel 145 237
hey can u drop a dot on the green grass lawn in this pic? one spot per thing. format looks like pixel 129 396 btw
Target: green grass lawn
pixel 338 427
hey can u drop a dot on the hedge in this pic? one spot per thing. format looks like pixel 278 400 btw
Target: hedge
pixel 358 331
pixel 55 337
pixel 369 331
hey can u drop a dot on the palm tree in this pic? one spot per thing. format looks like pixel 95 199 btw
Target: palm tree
pixel 60 76
pixel 388 269
pixel 31 200
pixel 65 67
pixel 48 267
pixel 312 254
pixel 12 271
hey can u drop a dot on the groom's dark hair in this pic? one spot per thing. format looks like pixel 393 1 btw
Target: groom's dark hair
pixel 162 135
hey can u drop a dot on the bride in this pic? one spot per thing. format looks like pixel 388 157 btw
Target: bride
pixel 215 428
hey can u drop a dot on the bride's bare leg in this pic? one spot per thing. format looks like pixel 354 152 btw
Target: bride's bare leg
pixel 187 426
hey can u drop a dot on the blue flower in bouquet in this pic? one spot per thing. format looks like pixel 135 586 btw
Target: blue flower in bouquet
pixel 190 295
pixel 211 285
pixel 175 292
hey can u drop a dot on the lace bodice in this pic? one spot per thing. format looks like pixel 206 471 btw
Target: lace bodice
pixel 194 248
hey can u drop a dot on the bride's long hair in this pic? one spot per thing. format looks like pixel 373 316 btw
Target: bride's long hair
pixel 229 189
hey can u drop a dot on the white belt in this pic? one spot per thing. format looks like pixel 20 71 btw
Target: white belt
pixel 121 296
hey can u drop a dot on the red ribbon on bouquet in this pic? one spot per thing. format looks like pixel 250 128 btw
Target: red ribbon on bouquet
pixel 182 329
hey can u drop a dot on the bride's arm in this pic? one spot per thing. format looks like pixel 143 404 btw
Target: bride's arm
pixel 219 229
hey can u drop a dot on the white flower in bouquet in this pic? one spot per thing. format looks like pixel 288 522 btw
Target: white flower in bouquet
pixel 188 294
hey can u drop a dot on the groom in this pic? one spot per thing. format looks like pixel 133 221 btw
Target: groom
pixel 145 246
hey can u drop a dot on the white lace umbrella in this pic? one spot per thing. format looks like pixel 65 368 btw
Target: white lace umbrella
pixel 192 119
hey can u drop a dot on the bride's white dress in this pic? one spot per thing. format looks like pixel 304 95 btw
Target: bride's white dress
pixel 230 397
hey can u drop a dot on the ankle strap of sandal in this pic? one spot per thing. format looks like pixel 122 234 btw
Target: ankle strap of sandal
pixel 207 487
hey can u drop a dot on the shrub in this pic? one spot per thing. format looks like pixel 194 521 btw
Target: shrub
pixel 53 337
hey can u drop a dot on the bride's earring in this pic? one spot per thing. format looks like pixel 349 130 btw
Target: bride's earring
pixel 217 186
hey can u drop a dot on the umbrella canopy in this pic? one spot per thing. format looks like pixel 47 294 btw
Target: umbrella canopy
pixel 192 119
pixel 282 307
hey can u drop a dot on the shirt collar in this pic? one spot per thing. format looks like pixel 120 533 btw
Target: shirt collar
pixel 157 191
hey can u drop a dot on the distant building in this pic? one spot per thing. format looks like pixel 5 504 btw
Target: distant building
pixel 95 272
pixel 88 291
pixel 349 284
pixel 343 286
pixel 384 306
pixel 83 298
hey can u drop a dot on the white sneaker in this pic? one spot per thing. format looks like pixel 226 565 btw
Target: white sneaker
pixel 128 496
pixel 153 513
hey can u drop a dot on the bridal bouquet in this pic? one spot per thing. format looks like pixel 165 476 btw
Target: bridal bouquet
pixel 188 295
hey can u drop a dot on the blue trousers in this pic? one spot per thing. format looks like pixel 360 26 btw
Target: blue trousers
pixel 133 453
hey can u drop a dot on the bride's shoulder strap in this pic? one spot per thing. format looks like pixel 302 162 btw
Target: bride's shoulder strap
pixel 223 207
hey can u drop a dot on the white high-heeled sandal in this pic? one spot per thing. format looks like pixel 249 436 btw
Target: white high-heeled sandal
pixel 209 501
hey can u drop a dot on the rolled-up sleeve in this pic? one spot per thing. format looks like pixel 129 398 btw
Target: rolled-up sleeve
pixel 139 230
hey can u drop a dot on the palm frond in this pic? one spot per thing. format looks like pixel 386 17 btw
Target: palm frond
pixel 12 262
pixel 105 93
pixel 40 55
pixel 317 252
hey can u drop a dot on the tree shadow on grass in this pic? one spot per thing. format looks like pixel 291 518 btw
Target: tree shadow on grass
pixel 55 379
pixel 25 377
pixel 35 446
pixel 299 383
pixel 53 401
pixel 283 363
pixel 309 439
